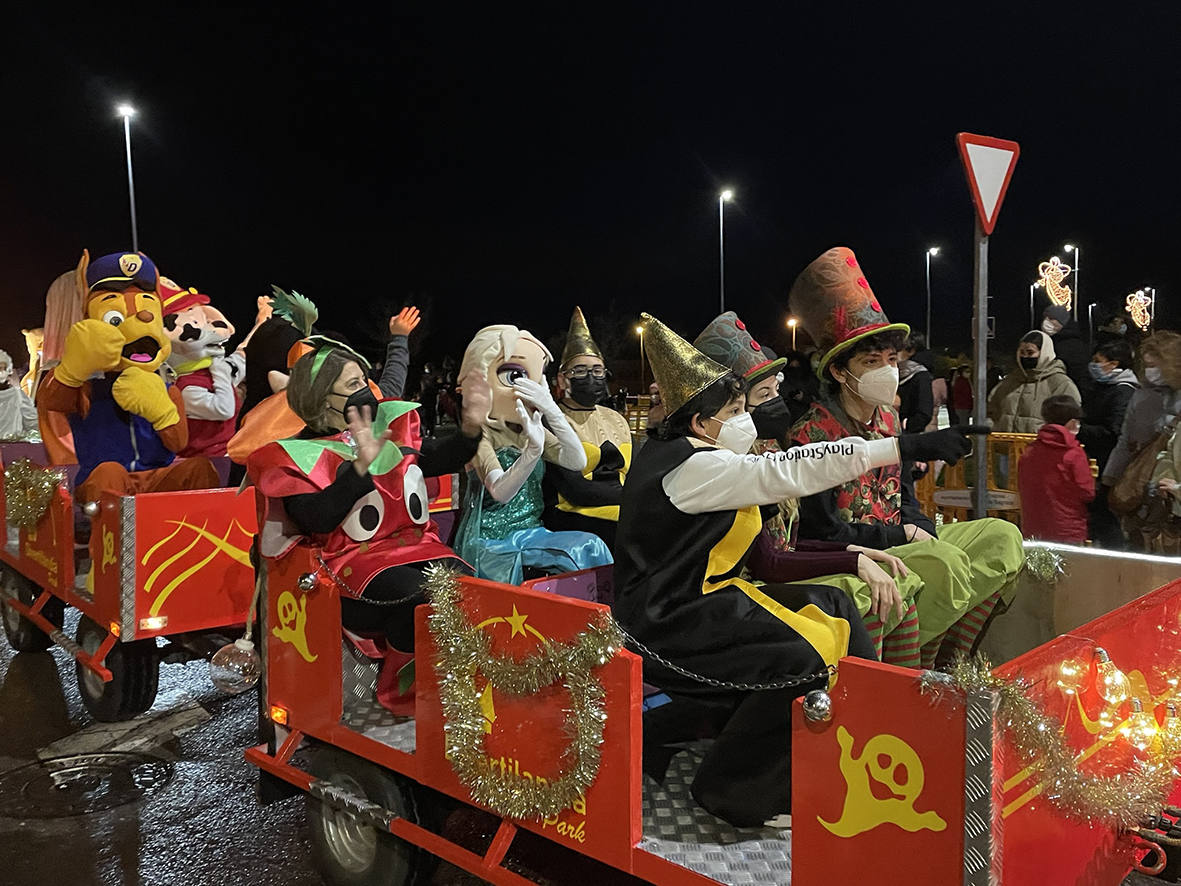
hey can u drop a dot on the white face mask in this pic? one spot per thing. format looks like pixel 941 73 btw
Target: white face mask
pixel 737 434
pixel 878 386
pixel 1153 375
pixel 1051 327
pixel 5 374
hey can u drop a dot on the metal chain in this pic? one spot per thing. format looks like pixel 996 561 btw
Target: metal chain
pixel 790 683
pixel 416 598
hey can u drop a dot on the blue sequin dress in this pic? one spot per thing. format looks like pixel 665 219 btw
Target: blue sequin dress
pixel 501 539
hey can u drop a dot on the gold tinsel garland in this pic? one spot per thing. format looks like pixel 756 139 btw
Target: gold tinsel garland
pixel 28 489
pixel 462 651
pixel 1118 801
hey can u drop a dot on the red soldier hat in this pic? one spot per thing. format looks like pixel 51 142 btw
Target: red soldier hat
pixel 836 306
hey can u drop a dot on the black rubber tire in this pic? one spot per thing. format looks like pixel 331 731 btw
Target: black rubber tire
pixel 135 676
pixel 393 862
pixel 22 634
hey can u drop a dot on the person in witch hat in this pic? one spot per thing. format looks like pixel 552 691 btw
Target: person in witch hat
pixel 690 513
pixel 971 566
pixel 879 583
pixel 588 500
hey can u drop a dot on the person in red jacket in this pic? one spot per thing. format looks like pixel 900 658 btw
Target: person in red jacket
pixel 960 412
pixel 1055 478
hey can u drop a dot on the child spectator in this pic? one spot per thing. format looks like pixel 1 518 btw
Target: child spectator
pixel 1055 478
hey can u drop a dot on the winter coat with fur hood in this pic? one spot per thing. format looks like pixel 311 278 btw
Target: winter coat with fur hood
pixel 1015 405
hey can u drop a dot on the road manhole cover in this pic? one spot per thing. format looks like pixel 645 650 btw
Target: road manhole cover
pixel 65 786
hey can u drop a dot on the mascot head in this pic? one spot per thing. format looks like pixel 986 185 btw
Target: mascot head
pixel 120 289
pixel 198 331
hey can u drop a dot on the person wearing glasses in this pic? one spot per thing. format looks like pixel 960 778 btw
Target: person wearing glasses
pixel 588 500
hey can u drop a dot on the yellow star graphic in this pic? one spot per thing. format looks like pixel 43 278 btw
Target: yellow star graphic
pixel 517 621
pixel 487 709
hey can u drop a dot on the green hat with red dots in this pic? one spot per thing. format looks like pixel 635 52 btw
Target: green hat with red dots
pixel 836 306
pixel 726 340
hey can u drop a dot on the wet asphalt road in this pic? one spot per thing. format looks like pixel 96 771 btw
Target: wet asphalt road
pixel 203 827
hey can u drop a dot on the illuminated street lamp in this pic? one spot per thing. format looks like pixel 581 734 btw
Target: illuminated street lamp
pixel 640 333
pixel 723 198
pixel 1070 247
pixel 931 252
pixel 792 323
pixel 126 111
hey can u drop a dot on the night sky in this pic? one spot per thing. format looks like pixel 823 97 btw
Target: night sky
pixel 498 166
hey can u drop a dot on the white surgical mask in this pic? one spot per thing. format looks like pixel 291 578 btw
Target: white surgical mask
pixel 5 374
pixel 1051 327
pixel 737 434
pixel 877 386
pixel 1153 375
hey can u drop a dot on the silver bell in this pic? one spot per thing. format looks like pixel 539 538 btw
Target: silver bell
pixel 818 706
pixel 307 581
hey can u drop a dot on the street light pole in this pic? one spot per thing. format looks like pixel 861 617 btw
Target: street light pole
pixel 640 331
pixel 723 198
pixel 934 250
pixel 127 112
pixel 793 323
pixel 1091 320
pixel 1078 260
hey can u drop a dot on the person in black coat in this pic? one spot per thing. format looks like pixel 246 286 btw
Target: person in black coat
pixel 916 399
pixel 1069 344
pixel 1104 405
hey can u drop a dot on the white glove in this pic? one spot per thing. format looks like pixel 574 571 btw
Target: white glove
pixel 538 396
pixel 217 403
pixel 503 485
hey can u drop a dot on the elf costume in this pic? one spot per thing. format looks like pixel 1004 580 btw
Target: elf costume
pixel 588 500
pixel 970 567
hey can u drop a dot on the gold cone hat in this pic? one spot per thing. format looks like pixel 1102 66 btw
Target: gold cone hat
pixel 681 371
pixel 578 340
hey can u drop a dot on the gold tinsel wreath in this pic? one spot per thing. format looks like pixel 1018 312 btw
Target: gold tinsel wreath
pixel 1118 801
pixel 28 489
pixel 462 651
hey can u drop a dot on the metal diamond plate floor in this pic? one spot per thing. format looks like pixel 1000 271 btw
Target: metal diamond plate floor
pixel 677 829
pixel 361 710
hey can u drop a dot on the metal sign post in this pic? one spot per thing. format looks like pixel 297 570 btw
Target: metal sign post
pixel 988 163
pixel 980 355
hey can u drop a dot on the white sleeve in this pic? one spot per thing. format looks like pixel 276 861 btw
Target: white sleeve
pixel 217 403
pixel 571 455
pixel 720 480
pixel 28 412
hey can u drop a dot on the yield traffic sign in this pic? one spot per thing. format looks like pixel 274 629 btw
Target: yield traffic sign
pixel 988 163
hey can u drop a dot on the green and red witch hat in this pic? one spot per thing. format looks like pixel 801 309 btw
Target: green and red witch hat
pixel 726 340
pixel 836 306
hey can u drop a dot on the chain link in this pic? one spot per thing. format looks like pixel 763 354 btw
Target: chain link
pixel 790 683
pixel 416 598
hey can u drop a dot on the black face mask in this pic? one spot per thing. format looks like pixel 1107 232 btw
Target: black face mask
pixel 588 391
pixel 1029 363
pixel 772 419
pixel 357 399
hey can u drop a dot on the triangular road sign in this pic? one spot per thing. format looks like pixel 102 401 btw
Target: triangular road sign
pixel 988 163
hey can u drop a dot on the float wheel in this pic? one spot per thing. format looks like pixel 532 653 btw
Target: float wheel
pixel 22 634
pixel 350 852
pixel 135 675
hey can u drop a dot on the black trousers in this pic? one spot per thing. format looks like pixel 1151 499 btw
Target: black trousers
pixel 745 776
pixel 400 586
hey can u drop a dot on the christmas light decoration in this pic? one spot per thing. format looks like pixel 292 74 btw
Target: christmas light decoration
pixel 1140 730
pixel 1050 275
pixel 1139 305
pixel 1111 682
pixel 1071 675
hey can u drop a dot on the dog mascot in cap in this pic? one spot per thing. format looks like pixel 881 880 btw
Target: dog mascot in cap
pixel 206 376
pixel 127 423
